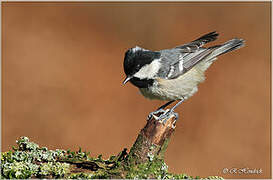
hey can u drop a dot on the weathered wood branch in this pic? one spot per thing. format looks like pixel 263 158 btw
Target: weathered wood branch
pixel 152 140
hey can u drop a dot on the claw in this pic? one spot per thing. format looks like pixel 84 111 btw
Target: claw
pixel 167 115
pixel 164 116
pixel 155 117
pixel 153 114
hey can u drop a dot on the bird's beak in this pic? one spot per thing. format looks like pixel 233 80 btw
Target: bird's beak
pixel 127 79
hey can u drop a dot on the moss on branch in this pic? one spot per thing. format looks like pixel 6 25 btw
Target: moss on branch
pixel 145 159
pixel 28 160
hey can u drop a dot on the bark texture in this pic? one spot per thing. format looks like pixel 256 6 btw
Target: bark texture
pixel 152 141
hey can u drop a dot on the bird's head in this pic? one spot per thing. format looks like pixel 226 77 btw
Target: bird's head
pixel 140 65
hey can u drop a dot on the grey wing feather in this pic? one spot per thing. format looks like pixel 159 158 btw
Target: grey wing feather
pixel 197 43
pixel 181 59
pixel 186 62
pixel 176 63
pixel 192 59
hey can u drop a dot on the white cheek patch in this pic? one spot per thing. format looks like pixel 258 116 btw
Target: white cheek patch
pixel 149 71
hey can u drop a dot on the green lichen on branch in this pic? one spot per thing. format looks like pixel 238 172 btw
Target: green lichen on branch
pixel 28 160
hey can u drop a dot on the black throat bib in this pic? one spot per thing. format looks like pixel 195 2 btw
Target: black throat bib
pixel 142 83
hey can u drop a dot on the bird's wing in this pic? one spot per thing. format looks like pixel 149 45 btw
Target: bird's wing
pixel 182 58
pixel 175 66
pixel 197 43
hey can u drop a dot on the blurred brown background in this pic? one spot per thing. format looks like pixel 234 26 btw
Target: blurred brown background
pixel 63 70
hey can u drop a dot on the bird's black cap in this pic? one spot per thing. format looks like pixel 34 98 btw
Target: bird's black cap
pixel 135 58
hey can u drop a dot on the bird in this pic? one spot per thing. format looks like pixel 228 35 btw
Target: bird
pixel 173 74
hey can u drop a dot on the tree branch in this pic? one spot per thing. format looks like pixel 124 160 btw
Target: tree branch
pixel 152 140
pixel 145 159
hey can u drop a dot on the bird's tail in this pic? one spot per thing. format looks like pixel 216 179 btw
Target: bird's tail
pixel 226 47
pixel 219 50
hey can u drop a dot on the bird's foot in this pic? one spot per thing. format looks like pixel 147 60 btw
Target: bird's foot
pixel 167 115
pixel 164 116
pixel 154 113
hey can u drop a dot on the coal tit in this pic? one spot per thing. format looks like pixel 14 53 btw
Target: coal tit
pixel 173 74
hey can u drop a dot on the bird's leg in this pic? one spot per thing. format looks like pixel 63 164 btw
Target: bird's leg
pixel 177 104
pixel 169 112
pixel 159 110
pixel 165 105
